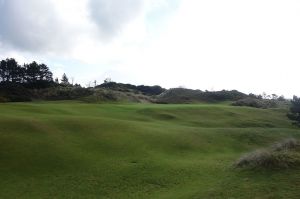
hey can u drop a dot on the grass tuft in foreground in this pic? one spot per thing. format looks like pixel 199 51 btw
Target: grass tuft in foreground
pixel 284 154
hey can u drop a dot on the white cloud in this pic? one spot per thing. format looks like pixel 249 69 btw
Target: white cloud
pixel 252 46
pixel 31 25
pixel 110 16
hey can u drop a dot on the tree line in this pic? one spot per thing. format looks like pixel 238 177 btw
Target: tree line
pixel 32 75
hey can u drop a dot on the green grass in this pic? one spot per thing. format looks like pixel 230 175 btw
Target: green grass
pixel 77 150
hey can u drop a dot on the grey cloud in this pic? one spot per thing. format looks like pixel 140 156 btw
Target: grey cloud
pixel 111 15
pixel 36 26
pixel 30 25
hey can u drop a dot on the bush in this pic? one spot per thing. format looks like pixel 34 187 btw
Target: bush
pixel 63 93
pixel 14 93
pixel 294 113
pixel 107 95
pixel 3 99
pixel 285 145
pixel 284 154
pixel 142 89
pixel 256 103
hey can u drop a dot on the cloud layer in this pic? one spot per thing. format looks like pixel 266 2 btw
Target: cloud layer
pixel 55 25
pixel 31 25
pixel 110 16
pixel 252 46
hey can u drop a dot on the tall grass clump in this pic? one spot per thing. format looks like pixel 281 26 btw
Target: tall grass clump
pixel 284 154
pixel 286 145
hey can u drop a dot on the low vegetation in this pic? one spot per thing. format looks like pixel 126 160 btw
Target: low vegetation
pixel 129 88
pixel 101 95
pixel 184 96
pixel 294 113
pixel 284 154
pixel 256 103
pixel 34 82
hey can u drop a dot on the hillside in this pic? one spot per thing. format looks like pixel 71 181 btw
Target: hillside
pixel 78 150
pixel 184 96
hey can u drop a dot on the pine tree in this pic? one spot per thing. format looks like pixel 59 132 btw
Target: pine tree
pixel 65 79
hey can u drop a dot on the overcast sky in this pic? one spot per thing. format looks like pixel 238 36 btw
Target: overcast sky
pixel 248 45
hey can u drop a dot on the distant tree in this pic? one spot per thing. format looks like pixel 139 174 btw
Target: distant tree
pixel 281 98
pixel 56 80
pixel 38 75
pixel 65 80
pixel 150 90
pixel 21 72
pixel 31 75
pixel 251 95
pixel 274 97
pixel 32 72
pixel 10 71
pixel 294 113
pixel 13 70
pixel 107 80
pixel 3 71
pixel 44 73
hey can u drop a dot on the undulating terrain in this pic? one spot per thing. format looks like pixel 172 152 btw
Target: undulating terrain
pixel 78 150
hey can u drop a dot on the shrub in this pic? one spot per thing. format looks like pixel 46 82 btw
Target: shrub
pixel 285 145
pixel 284 154
pixel 182 95
pixel 3 99
pixel 256 103
pixel 62 93
pixel 107 95
pixel 15 93
pixel 142 89
pixel 294 113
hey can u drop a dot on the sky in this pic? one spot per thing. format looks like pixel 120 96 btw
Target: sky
pixel 251 46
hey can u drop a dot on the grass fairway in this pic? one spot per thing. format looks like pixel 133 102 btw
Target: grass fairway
pixel 76 150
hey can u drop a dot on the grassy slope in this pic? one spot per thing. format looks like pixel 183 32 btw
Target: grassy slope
pixel 73 150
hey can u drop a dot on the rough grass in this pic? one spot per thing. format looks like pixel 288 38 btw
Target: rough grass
pixel 106 96
pixel 286 145
pixel 78 150
pixel 284 154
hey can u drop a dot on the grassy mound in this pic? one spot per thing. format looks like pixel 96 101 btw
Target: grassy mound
pixel 284 154
pixel 185 96
pixel 83 150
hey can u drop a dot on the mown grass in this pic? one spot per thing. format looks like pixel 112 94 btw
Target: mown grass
pixel 77 150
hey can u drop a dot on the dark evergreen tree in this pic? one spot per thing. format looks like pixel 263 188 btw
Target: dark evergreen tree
pixel 3 71
pixel 65 80
pixel 33 75
pixel 12 70
pixel 32 71
pixel 44 73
